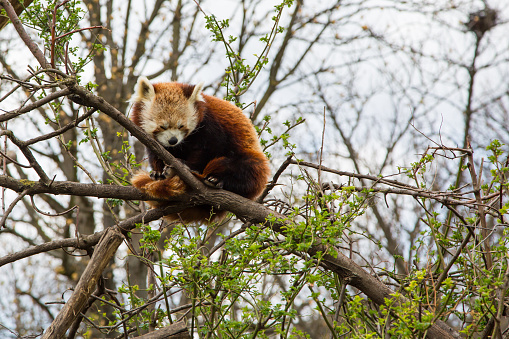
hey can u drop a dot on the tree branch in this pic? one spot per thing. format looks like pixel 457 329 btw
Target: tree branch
pixel 173 331
pixel 103 253
pixel 19 6
pixel 48 98
pixel 73 188
pixel 32 46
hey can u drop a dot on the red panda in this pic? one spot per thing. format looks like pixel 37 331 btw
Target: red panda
pixel 211 136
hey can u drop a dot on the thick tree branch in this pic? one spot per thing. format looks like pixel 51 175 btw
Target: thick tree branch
pixel 28 155
pixel 103 253
pixel 174 331
pixel 73 188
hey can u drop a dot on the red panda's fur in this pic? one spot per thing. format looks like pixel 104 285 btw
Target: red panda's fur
pixel 211 136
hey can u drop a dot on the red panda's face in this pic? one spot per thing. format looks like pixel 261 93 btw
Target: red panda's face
pixel 168 111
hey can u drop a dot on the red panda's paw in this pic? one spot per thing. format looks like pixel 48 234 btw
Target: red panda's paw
pixel 156 175
pixel 168 172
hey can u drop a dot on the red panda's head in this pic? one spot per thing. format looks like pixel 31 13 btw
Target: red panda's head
pixel 167 111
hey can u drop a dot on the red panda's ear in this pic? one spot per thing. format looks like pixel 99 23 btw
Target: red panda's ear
pixel 144 90
pixel 196 95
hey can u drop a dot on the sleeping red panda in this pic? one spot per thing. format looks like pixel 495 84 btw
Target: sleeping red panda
pixel 211 136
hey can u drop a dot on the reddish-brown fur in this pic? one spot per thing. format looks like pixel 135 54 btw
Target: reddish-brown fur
pixel 222 149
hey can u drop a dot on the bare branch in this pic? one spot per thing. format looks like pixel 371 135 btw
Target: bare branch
pixel 61 130
pixel 73 188
pixel 11 207
pixel 28 108
pixel 177 330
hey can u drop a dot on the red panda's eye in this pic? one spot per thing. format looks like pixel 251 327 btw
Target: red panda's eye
pixel 181 126
pixel 163 127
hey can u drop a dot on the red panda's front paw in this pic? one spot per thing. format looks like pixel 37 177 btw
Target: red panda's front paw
pixel 213 182
pixel 156 175
pixel 167 173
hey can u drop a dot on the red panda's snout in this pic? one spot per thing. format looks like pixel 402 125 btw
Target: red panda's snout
pixel 170 137
pixel 173 141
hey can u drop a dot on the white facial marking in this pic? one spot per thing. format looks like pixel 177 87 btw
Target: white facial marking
pixel 165 136
pixel 148 126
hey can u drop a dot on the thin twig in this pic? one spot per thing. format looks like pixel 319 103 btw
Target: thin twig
pixel 10 208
